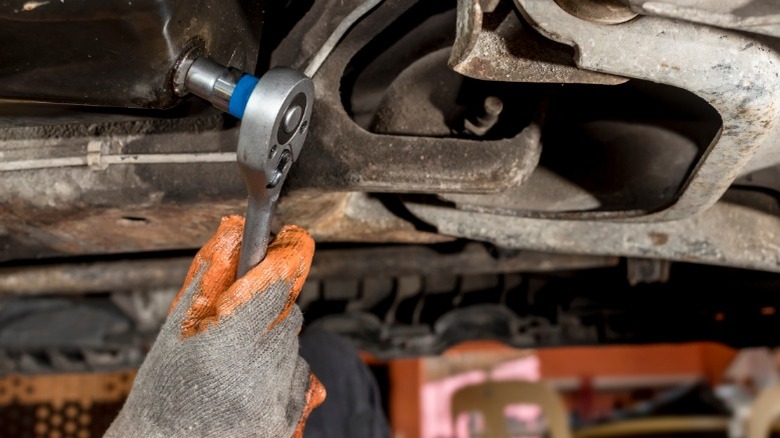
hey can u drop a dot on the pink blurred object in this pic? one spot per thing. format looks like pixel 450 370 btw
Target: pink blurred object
pixel 436 395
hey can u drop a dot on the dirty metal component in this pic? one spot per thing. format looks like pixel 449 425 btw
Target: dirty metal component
pixel 595 168
pixel 411 164
pixel 736 75
pixel 350 217
pixel 416 59
pixel 94 277
pixel 545 193
pixel 340 155
pixel 474 258
pixel 497 46
pixel 101 184
pixel 116 53
pixel 482 123
pixel 647 270
pixel 79 187
pixel 166 273
pixel 598 11
pixel 725 234
pixel 757 16
pixel 267 147
pixel 338 33
pixel 402 111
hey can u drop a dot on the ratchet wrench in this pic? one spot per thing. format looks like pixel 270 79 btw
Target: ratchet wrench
pixel 275 111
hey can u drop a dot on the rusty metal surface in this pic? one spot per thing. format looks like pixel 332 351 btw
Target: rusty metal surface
pixel 94 277
pixel 497 46
pixel 758 16
pixel 115 193
pixel 735 74
pixel 137 185
pixel 348 217
pixel 474 258
pixel 153 223
pixel 155 274
pixel 726 235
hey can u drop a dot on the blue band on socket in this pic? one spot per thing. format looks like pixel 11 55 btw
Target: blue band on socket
pixel 240 96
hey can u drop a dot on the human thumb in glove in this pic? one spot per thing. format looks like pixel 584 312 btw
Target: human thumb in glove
pixel 226 360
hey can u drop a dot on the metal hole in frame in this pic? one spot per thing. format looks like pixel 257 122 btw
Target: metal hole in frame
pixel 285 162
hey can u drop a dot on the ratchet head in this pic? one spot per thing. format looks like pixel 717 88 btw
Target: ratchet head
pixel 274 128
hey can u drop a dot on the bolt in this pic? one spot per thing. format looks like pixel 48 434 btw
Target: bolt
pixel 491 109
pixel 493 106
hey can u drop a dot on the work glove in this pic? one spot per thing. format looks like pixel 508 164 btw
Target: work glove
pixel 226 362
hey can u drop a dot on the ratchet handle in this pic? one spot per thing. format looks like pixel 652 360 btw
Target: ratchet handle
pixel 257 235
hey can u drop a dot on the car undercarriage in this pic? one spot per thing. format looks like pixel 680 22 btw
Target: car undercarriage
pixel 538 172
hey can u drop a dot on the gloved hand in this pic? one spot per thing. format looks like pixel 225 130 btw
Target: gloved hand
pixel 226 363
